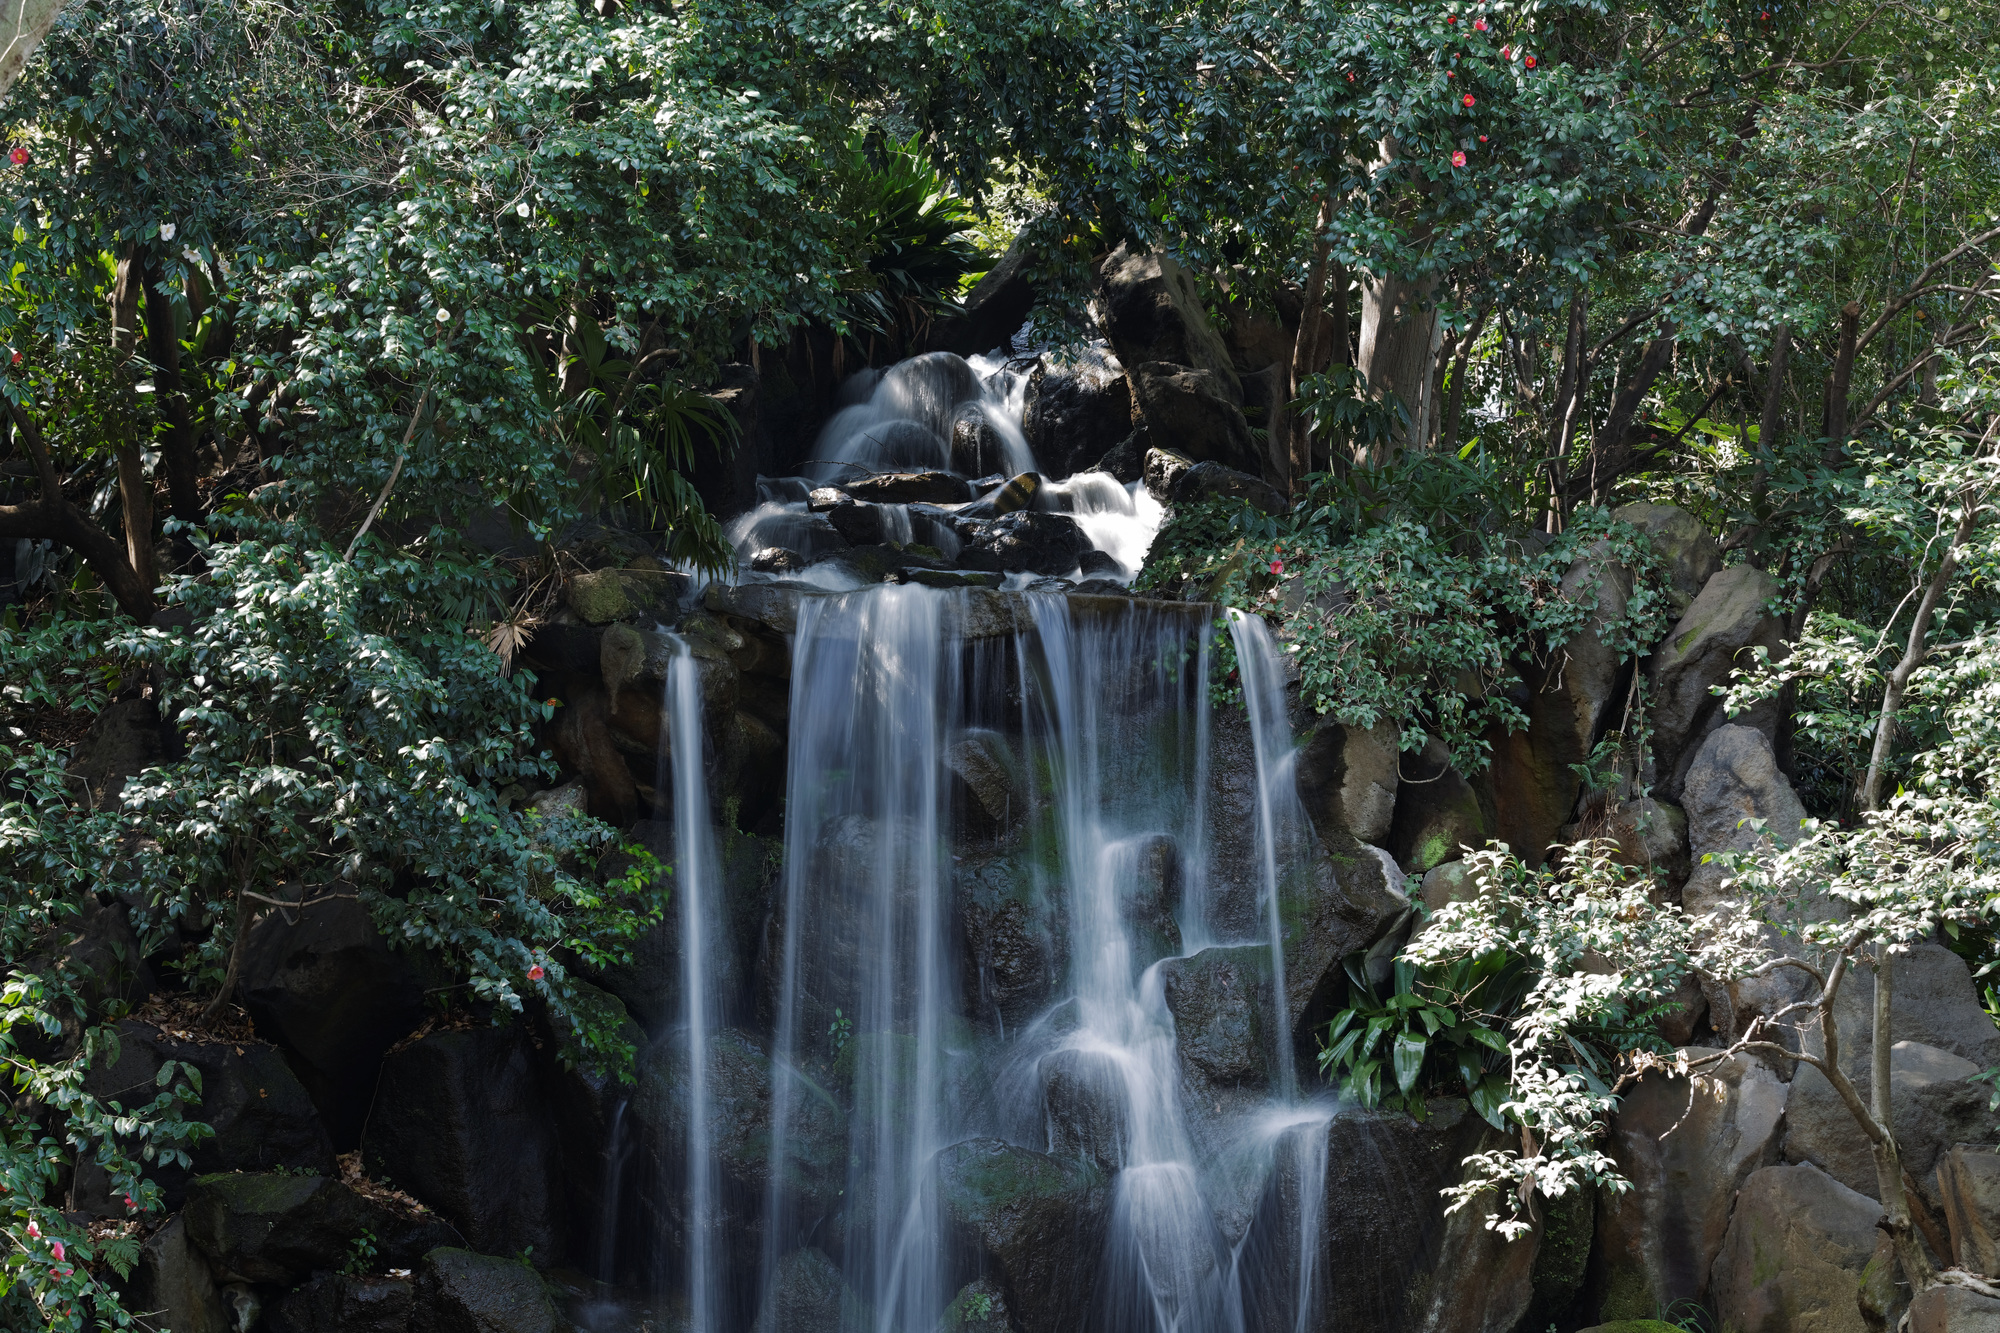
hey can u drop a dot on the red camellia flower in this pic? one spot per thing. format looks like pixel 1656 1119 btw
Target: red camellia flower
pixel 1482 138
pixel 129 1203
pixel 1277 566
pixel 535 972
pixel 57 1250
pixel 19 156
pixel 1451 74
pixel 1479 24
pixel 1451 18
pixel 17 358
pixel 1458 159
pixel 1467 99
pixel 34 1229
pixel 1529 62
pixel 1506 53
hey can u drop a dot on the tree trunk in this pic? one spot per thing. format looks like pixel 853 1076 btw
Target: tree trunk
pixel 1838 382
pixel 1454 408
pixel 1399 342
pixel 23 25
pixel 177 450
pixel 1888 1156
pixel 1305 351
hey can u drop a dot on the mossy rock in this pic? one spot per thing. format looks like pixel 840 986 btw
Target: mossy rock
pixel 1635 1326
pixel 605 595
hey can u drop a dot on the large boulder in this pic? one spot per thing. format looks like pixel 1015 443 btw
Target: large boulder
pixel 1689 551
pixel 98 954
pixel 1686 1151
pixel 461 1121
pixel 992 311
pixel 1209 480
pixel 1026 539
pixel 1074 411
pixel 124 739
pixel 173 1279
pixel 1951 1308
pixel 909 488
pixel 1932 999
pixel 1086 1099
pixel 1389 1259
pixel 1933 1104
pixel 1016 940
pixel 272 1227
pixel 1437 813
pixel 1347 778
pixel 1575 699
pixel 1732 783
pixel 458 1291
pixel 343 1303
pixel 1796 1254
pixel 261 1115
pixel 1712 638
pixel 1222 1004
pixel 322 982
pixel 1194 412
pixel 1968 1178
pixel 807 1294
pixel 1153 312
pixel 1648 835
pixel 604 595
pixel 1031 1222
pixel 742 1094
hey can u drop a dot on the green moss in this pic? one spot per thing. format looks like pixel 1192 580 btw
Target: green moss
pixel 1628 1297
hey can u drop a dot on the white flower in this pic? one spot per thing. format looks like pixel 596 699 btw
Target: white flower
pixel 444 316
pixel 167 230
pixel 522 208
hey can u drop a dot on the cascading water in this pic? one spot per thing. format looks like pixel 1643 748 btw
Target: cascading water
pixel 1012 859
pixel 695 885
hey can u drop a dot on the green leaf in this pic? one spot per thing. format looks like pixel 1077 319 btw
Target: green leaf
pixel 1409 1060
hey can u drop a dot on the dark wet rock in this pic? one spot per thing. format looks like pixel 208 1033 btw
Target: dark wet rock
pixel 173 1279
pixel 1934 1106
pixel 1390 1258
pixel 909 488
pixel 259 1111
pixel 1718 633
pixel 97 952
pixel 777 560
pixel 976 447
pixel 1095 564
pixel 1798 1246
pixel 1086 1099
pixel 1027 540
pixel 1162 472
pixel 1562 1257
pixel 586 744
pixel 1686 1152
pixel 1100 587
pixel 1015 939
pixel 461 1121
pixel 1148 872
pixel 997 305
pixel 767 604
pixel 1075 410
pixel 1153 312
pixel 1437 812
pixel 1205 481
pixel 979 1307
pixel 946 578
pixel 1223 1013
pixel 1125 460
pixel 124 739
pixel 987 793
pixel 822 499
pixel 272 1227
pixel 1195 411
pixel 808 1295
pixel 458 1291
pixel 340 1303
pixel 323 982
pixel 1691 554
pixel 742 1097
pixel 1031 1222
pixel 860 524
pixel 930 388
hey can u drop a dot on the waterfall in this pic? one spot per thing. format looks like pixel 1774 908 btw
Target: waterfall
pixel 864 978
pixel 1280 819
pixel 696 886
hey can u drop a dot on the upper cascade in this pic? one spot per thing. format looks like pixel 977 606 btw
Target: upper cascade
pixel 925 476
